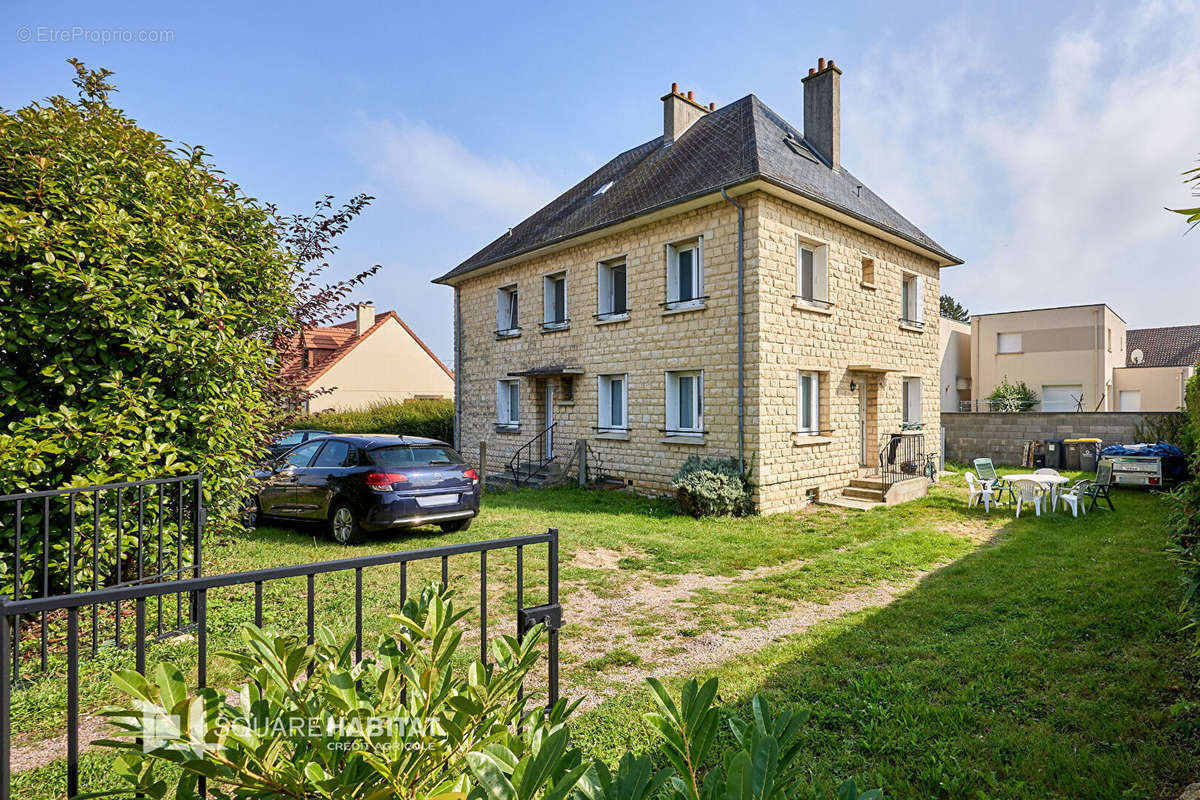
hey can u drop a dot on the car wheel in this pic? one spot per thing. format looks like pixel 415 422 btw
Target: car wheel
pixel 251 513
pixel 455 525
pixel 343 524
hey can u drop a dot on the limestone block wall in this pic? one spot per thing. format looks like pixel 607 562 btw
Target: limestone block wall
pixel 644 346
pixel 861 328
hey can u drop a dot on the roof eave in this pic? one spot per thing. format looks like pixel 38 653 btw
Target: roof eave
pixel 742 186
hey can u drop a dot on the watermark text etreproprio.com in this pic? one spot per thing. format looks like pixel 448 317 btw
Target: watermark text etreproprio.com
pixel 78 33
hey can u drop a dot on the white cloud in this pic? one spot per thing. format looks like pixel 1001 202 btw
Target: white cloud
pixel 1049 179
pixel 435 171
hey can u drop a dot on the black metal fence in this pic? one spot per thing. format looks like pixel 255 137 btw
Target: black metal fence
pixel 11 610
pixel 902 456
pixel 81 540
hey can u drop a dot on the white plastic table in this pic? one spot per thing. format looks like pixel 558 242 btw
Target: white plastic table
pixel 1050 482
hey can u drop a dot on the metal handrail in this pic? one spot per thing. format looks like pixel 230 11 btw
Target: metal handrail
pixel 514 463
pixel 901 456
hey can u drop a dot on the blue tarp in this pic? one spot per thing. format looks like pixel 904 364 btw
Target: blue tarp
pixel 1143 449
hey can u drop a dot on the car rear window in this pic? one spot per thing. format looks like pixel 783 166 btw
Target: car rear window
pixel 415 456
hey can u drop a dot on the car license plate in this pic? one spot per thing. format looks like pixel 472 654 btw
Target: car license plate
pixel 435 500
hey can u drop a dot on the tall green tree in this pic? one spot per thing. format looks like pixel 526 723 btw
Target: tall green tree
pixel 952 309
pixel 141 296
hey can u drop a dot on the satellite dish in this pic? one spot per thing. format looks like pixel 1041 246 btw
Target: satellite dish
pixel 1137 356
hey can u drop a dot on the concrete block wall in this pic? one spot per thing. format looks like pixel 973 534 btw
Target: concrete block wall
pixel 1000 436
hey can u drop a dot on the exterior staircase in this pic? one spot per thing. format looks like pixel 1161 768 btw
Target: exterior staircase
pixel 862 493
pixel 537 475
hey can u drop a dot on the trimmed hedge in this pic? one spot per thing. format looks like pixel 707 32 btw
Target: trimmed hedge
pixel 431 418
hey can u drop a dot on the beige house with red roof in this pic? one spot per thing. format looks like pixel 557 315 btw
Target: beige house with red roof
pixel 372 358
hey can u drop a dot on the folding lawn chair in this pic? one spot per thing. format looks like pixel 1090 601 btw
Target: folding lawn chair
pixel 987 473
pixel 1099 488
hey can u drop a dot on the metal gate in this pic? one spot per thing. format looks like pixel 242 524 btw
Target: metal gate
pixel 141 594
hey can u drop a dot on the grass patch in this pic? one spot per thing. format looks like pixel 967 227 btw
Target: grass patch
pixel 1048 664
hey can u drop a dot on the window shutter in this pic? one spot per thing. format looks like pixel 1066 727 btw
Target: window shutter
pixel 699 292
pixel 821 273
pixel 919 300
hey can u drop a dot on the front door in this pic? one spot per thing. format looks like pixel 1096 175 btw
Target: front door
pixel 549 419
pixel 862 423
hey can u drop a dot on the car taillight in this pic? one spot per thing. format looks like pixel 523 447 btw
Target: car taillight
pixel 472 474
pixel 382 481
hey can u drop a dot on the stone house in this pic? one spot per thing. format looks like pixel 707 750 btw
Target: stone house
pixel 728 289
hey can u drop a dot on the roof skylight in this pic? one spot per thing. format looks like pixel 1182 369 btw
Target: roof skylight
pixel 603 189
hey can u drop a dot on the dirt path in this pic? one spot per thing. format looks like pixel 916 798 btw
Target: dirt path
pixel 669 607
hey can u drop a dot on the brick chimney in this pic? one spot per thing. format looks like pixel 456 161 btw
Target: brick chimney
pixel 364 317
pixel 823 111
pixel 679 112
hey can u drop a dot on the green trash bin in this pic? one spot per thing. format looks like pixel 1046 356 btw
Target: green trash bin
pixel 1070 455
pixel 1089 452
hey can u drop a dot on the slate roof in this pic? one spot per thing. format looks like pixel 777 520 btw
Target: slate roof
pixel 1177 346
pixel 742 141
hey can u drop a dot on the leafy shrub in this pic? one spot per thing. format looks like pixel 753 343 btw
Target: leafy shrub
pixel 713 487
pixel 450 734
pixel 1011 397
pixel 432 418
pixel 138 286
pixel 1183 524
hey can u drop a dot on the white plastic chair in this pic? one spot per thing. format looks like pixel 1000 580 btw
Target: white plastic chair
pixel 1076 497
pixel 1053 491
pixel 979 492
pixel 1045 471
pixel 1029 491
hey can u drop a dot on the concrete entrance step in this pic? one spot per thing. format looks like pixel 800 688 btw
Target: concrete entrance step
pixel 858 493
pixel 848 502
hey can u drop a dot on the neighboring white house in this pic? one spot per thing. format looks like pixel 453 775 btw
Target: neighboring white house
pixel 954 345
pixel 372 358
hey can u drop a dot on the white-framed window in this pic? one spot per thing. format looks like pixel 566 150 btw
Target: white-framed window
pixel 554 301
pixel 685 273
pixel 1130 400
pixel 808 403
pixel 508 403
pixel 508 317
pixel 612 299
pixel 812 273
pixel 612 412
pixel 912 304
pixel 911 400
pixel 685 402
pixel 1008 342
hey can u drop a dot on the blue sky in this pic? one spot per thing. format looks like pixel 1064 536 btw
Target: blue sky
pixel 1039 142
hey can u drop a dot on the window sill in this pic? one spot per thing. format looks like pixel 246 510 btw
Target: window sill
pixel 555 327
pixel 807 439
pixel 1011 353
pixel 565 402
pixel 905 326
pixel 502 428
pixel 867 285
pixel 511 333
pixel 679 438
pixel 608 320
pixel 683 309
pixel 616 436
pixel 800 305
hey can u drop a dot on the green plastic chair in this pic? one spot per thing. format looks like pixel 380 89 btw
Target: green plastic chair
pixel 1099 488
pixel 987 473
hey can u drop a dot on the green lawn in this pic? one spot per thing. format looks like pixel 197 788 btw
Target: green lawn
pixel 1030 658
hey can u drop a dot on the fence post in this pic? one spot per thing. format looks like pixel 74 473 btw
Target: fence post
pixel 482 466
pixel 6 678
pixel 583 479
pixel 553 600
